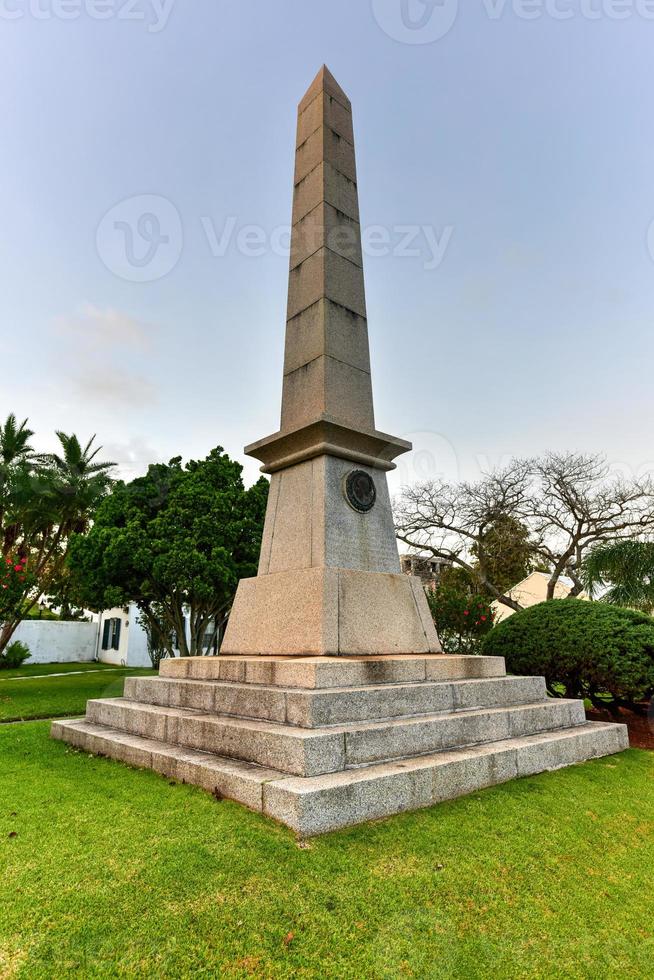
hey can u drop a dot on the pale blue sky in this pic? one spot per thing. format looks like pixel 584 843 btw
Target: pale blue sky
pixel 528 143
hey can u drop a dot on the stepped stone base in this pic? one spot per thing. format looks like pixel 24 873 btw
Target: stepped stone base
pixel 321 743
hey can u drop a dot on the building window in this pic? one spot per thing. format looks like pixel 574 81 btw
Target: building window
pixel 111 634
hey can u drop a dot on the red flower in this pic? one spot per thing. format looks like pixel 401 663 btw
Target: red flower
pixel 18 568
pixel 466 613
pixel 483 619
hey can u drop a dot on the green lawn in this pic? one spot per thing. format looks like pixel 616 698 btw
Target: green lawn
pixel 115 872
pixel 32 670
pixel 58 697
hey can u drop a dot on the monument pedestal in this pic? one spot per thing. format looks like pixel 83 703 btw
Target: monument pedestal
pixel 330 612
pixel 321 743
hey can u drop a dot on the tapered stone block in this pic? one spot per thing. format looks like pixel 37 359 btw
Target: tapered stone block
pixel 326 226
pixel 325 145
pixel 336 389
pixel 326 329
pixel 325 184
pixel 325 110
pixel 354 613
pixel 325 274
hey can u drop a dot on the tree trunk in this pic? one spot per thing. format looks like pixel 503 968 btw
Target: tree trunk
pixel 6 633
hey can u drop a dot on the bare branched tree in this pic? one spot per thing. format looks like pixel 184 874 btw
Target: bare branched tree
pixel 450 521
pixel 575 504
pixel 568 502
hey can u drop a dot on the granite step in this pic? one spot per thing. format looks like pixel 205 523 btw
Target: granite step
pixel 322 672
pixel 327 802
pixel 315 708
pixel 324 803
pixel 316 751
pixel 231 778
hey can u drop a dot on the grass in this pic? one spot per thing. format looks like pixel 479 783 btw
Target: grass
pixel 36 670
pixel 58 697
pixel 116 872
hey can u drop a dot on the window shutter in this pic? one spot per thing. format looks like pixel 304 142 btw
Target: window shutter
pixel 106 632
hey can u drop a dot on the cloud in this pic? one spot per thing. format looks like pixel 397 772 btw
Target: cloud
pixel 132 458
pixel 102 353
pixel 114 387
pixel 96 329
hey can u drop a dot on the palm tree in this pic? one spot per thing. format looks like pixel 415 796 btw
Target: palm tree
pixel 44 500
pixel 77 481
pixel 14 441
pixel 626 570
pixel 16 457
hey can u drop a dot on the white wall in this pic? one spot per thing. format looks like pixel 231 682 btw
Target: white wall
pixel 50 641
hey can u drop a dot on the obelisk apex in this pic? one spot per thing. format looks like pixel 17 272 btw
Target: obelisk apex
pixel 327 362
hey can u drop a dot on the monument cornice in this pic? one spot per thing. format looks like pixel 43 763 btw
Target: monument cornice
pixel 328 437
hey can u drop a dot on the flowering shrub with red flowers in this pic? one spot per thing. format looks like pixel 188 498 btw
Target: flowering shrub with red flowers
pixel 462 616
pixel 15 582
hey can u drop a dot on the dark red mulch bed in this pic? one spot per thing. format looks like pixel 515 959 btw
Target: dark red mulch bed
pixel 641 727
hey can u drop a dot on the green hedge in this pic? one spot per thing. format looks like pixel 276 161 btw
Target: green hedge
pixel 584 649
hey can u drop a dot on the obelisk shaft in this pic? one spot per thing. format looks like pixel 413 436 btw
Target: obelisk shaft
pixel 327 361
pixel 329 580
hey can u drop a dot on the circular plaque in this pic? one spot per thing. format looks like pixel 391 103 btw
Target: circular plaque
pixel 360 491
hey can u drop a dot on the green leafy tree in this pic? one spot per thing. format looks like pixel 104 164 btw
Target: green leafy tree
pixel 159 636
pixel 44 499
pixel 504 553
pixel 623 572
pixel 174 541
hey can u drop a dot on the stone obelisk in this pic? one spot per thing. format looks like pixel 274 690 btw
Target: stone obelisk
pixel 329 580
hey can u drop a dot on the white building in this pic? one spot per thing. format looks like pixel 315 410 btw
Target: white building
pixel 121 639
pixel 115 636
pixel 532 590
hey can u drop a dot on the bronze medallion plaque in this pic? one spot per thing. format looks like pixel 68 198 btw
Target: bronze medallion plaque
pixel 360 491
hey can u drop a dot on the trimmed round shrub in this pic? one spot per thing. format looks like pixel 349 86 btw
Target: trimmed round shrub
pixel 583 649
